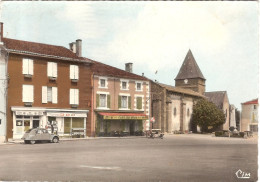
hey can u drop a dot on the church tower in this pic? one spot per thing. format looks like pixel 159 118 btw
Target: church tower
pixel 190 76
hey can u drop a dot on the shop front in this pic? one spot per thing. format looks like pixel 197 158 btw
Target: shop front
pixel 64 122
pixel 120 124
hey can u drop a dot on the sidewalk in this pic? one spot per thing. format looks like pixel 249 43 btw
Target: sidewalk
pixel 20 141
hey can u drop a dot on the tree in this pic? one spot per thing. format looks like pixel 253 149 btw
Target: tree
pixel 207 115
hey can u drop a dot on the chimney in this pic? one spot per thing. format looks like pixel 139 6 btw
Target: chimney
pixel 79 47
pixel 1 32
pixel 129 67
pixel 73 47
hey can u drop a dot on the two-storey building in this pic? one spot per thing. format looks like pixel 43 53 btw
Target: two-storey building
pixel 120 100
pixel 249 116
pixel 48 85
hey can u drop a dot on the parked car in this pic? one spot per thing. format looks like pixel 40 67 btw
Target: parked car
pixel 39 134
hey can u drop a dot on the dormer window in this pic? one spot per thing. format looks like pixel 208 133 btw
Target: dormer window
pixel 52 70
pixel 27 67
pixel 74 73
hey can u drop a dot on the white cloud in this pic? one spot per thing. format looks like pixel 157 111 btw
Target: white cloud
pixel 165 32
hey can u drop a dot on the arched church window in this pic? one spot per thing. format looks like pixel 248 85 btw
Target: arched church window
pixel 174 111
pixel 188 112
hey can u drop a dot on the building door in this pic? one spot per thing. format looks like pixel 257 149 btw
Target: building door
pixel 132 127
pixel 36 123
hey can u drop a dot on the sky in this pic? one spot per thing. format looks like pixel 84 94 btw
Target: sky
pixel 154 36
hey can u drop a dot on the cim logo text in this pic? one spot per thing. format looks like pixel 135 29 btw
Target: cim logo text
pixel 242 175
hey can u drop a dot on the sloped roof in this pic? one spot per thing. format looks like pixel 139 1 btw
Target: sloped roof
pixel 216 97
pixel 255 101
pixel 181 90
pixel 39 49
pixel 102 69
pixel 189 68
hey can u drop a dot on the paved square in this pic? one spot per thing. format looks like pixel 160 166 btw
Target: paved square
pixel 188 157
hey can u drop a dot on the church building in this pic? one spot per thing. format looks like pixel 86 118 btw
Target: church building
pixel 172 107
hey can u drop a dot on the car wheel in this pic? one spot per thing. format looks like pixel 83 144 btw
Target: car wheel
pixel 55 140
pixel 32 141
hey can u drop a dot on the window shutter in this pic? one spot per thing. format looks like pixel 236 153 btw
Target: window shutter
pixel 76 96
pixel 49 69
pixel 97 100
pixel 54 95
pixel 30 66
pixel 71 71
pixel 139 102
pixel 24 94
pixel 129 102
pixel 44 94
pixel 54 70
pixel 31 96
pixel 71 96
pixel 76 72
pixel 108 101
pixel 25 66
pixel 119 101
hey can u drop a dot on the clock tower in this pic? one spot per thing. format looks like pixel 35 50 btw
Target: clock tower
pixel 190 76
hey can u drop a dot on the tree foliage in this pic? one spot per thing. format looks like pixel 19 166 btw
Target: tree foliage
pixel 207 115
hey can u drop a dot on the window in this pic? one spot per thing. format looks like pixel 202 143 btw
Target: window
pixel 27 93
pixel 175 111
pixel 49 94
pixel 102 100
pixel 188 112
pixel 27 66
pixel 254 106
pixel 102 82
pixel 124 85
pixel 138 86
pixel 124 102
pixel 74 72
pixel 52 69
pixel 74 96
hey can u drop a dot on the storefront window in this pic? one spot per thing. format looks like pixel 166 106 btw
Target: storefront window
pixel 77 122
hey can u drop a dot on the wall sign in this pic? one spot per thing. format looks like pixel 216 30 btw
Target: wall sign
pixel 29 113
pixel 127 117
pixel 60 114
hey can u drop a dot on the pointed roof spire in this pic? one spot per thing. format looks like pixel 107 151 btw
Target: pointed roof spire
pixel 189 68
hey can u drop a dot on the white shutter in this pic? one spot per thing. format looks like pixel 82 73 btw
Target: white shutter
pixel 31 91
pixel 54 70
pixel 71 71
pixel 76 96
pixel 27 93
pixel 54 95
pixel 24 94
pixel 30 66
pixel 25 66
pixel 76 72
pixel 49 69
pixel 71 96
pixel 44 94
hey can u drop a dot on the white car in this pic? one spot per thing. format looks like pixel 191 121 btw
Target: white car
pixel 39 134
